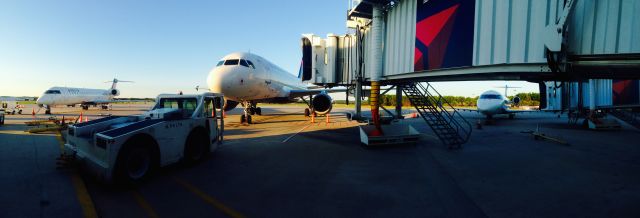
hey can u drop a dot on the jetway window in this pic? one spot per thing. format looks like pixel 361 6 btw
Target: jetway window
pixel 231 62
pixel 53 92
pixel 220 63
pixel 244 63
pixel 490 97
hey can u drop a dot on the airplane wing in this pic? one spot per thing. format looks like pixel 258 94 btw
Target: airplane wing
pixel 467 109
pixel 521 111
pixel 303 93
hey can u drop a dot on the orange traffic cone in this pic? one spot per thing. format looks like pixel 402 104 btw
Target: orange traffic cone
pixel 86 119
pixel 327 121
pixel 80 118
pixel 313 117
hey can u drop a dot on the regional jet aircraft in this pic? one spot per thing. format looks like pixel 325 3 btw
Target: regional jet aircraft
pixel 82 96
pixel 249 79
pixel 492 103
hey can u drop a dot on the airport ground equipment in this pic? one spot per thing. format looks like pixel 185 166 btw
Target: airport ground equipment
pixel 127 149
pixel 537 135
pixel 394 134
pixel 445 121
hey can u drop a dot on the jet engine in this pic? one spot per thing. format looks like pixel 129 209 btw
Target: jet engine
pixel 229 104
pixel 322 104
pixel 516 101
pixel 114 92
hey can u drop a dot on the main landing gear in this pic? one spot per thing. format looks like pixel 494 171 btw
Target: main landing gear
pixel 309 110
pixel 249 109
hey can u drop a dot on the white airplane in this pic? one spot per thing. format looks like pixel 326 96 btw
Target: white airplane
pixel 82 96
pixel 492 103
pixel 249 79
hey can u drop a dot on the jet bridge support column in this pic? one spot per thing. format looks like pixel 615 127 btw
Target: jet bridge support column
pixel 358 96
pixel 376 67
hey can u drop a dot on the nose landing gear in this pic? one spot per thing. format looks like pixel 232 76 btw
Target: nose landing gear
pixel 249 109
pixel 47 109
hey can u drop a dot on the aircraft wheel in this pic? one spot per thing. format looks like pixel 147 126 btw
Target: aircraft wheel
pixel 249 120
pixel 307 112
pixel 20 112
pixel 242 118
pixel 252 111
pixel 47 111
pixel 259 110
pixel 85 107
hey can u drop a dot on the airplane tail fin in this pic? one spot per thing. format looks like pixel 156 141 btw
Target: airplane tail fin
pixel 300 70
pixel 115 81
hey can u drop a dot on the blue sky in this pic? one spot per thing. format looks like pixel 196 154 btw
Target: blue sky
pixel 164 46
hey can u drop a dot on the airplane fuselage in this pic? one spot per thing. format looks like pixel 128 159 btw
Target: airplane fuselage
pixel 491 103
pixel 254 80
pixel 72 96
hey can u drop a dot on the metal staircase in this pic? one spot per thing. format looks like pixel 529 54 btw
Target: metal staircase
pixel 447 123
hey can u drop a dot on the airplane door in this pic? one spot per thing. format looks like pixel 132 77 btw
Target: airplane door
pixel 214 123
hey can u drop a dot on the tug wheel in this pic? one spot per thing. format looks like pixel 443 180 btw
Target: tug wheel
pixel 196 147
pixel 136 161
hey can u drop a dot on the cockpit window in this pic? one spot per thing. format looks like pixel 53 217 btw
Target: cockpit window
pixel 490 96
pixel 244 63
pixel 231 62
pixel 53 92
pixel 250 64
pixel 220 63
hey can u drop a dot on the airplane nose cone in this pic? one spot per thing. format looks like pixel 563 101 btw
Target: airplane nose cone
pixel 215 80
pixel 41 100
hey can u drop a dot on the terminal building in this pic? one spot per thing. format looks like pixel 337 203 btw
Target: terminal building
pixel 584 54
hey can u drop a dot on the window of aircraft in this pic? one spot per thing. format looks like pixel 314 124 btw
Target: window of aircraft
pixel 251 64
pixel 220 63
pixel 489 96
pixel 231 62
pixel 244 63
pixel 53 92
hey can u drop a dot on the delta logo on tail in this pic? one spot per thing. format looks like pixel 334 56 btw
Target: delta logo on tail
pixel 439 22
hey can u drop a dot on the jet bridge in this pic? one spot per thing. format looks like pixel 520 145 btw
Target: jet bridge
pixel 392 42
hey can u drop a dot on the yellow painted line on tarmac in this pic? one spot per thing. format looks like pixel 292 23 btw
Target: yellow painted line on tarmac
pixel 60 141
pixel 207 198
pixel 145 205
pixel 84 199
pixel 88 209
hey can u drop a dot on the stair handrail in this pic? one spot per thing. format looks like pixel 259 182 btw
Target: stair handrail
pixel 441 102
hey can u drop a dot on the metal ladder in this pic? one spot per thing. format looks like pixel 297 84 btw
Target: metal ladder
pixel 445 121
